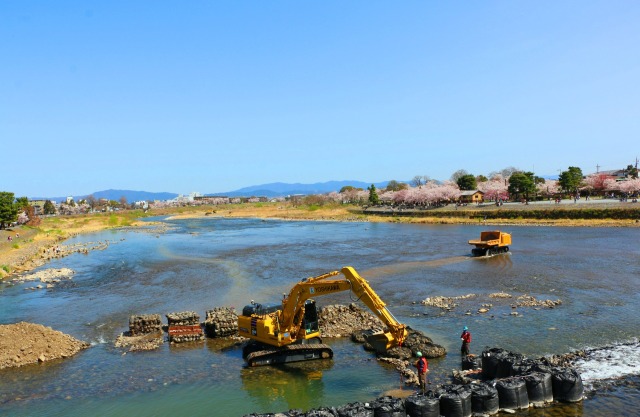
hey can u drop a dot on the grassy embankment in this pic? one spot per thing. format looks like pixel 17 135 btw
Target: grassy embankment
pixel 21 254
pixel 609 215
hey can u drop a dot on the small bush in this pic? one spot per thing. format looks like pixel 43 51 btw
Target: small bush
pixel 15 246
pixel 5 268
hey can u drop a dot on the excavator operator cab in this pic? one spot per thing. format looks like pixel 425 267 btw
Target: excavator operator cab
pixel 260 309
pixel 310 320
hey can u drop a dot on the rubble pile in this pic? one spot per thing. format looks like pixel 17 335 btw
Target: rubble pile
pixel 500 295
pixel 149 341
pixel 446 303
pixel 404 367
pixel 50 277
pixel 28 343
pixel 342 321
pixel 531 301
pixel 450 303
pixel 184 327
pixel 144 324
pixel 221 322
pixel 417 341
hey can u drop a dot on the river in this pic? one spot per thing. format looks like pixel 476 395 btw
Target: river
pixel 199 264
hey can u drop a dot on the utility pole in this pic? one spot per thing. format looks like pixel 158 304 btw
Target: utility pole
pixel 597 169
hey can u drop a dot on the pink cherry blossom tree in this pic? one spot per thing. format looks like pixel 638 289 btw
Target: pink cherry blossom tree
pixel 495 189
pixel 630 186
pixel 548 188
pixel 596 182
pixel 23 218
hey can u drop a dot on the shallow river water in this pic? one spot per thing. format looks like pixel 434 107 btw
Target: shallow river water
pixel 204 263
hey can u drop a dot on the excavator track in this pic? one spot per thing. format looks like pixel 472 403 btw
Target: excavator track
pixel 290 353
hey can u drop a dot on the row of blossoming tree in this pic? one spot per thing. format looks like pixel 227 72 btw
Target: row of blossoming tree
pixel 599 183
pixel 433 194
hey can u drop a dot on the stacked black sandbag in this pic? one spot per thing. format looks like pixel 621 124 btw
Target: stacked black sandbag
pixel 356 409
pixel 523 366
pixel 388 406
pixel 539 388
pixel 419 405
pixel 145 324
pixel 512 394
pixel 322 412
pixel 506 363
pixel 455 401
pixel 567 385
pixel 221 322
pixel 484 399
pixel 184 327
pixel 490 361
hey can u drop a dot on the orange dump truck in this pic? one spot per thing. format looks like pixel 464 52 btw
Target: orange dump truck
pixel 490 243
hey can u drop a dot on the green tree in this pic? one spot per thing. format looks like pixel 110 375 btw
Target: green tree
pixel 521 184
pixel 570 180
pixel 8 209
pixel 349 188
pixel 22 203
pixel 49 208
pixel 467 182
pixel 394 185
pixel 373 195
pixel 631 171
pixel 481 178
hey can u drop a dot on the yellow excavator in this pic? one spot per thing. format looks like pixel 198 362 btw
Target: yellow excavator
pixel 289 332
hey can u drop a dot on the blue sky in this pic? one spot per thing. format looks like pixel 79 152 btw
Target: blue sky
pixel 212 96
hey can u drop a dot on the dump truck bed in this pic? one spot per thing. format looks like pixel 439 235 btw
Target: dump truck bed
pixel 484 243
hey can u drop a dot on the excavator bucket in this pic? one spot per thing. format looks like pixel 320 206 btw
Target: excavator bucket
pixel 380 341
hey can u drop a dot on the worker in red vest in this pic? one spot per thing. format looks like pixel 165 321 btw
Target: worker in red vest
pixel 466 340
pixel 423 367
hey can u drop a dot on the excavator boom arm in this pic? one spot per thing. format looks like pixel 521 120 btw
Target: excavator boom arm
pixel 293 304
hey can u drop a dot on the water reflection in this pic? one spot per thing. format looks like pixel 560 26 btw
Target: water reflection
pixel 299 385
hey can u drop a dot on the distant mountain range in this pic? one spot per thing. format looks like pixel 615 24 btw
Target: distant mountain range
pixel 277 189
pixel 130 195
pixel 281 189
